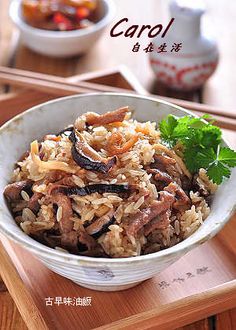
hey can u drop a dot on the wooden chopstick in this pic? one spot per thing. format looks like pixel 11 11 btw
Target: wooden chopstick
pixel 198 107
pixel 61 86
pixel 51 84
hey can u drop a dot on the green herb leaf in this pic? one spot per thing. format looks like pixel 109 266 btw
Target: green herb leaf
pixel 167 127
pixel 205 157
pixel 227 156
pixel 201 141
pixel 211 136
pixel 191 159
pixel 217 172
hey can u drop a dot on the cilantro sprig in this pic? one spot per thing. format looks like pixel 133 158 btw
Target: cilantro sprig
pixel 202 142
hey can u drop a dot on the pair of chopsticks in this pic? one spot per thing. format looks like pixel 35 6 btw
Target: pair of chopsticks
pixel 63 87
pixel 50 84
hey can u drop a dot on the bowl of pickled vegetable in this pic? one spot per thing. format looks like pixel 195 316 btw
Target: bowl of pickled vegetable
pixel 61 28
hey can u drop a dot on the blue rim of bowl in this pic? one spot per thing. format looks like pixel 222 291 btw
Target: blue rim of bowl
pixel 14 11
pixel 43 251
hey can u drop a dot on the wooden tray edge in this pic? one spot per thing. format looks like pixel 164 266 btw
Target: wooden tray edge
pixel 124 72
pixel 30 312
pixel 205 304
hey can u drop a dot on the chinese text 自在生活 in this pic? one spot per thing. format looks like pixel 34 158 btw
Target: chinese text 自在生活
pixel 162 48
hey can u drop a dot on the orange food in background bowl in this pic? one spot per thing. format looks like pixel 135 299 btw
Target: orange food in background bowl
pixel 59 15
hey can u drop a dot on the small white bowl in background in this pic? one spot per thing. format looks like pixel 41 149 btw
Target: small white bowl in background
pixel 98 273
pixel 62 43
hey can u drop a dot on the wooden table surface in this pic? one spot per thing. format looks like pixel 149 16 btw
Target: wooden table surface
pixel 110 52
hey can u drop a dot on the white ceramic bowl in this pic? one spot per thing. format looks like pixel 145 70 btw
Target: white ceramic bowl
pixel 98 273
pixel 62 43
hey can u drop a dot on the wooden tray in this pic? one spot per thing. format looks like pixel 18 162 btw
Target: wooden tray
pixel 200 284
